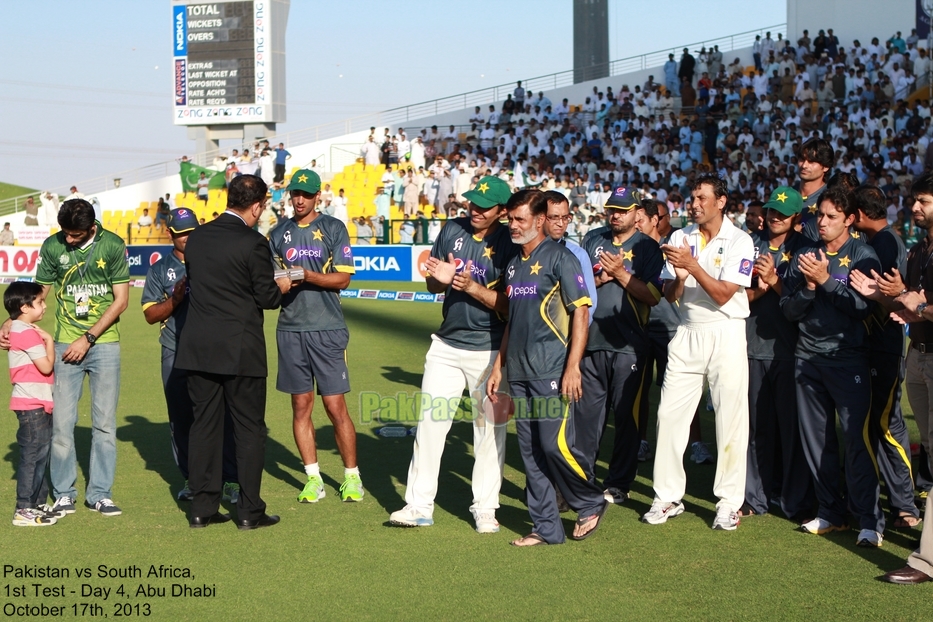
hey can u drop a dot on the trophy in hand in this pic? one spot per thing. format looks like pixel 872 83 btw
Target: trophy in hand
pixel 293 274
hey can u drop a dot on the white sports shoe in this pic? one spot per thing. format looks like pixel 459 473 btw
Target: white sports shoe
pixel 486 523
pixel 660 512
pixel 726 520
pixel 409 517
pixel 869 537
pixel 819 526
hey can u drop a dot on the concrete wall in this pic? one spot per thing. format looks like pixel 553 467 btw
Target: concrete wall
pixel 851 19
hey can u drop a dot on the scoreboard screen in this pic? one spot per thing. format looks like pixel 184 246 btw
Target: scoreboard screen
pixel 223 62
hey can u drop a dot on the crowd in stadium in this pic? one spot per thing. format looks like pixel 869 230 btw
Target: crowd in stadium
pixel 744 123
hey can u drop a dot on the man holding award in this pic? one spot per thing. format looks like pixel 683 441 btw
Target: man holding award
pixel 223 349
pixel 312 336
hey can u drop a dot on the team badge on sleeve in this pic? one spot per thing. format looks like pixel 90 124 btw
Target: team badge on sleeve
pixel 746 267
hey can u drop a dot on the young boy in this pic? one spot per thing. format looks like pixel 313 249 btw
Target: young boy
pixel 31 356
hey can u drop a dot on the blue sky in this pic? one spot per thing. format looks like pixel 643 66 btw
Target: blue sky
pixel 86 87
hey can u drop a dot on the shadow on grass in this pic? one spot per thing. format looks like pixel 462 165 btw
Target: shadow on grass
pixel 398 375
pixel 405 327
pixel 152 441
pixel 82 449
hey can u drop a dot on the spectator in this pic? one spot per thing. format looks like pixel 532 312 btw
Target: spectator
pixel 339 204
pixel 145 220
pixel 32 213
pixel 162 212
pixel 364 230
pixel 281 155
pixel 406 231
pixel 6 235
pixel 203 185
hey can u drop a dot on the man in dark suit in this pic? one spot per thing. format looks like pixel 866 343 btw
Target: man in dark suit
pixel 231 281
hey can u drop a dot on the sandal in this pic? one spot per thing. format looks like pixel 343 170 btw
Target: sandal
pixel 584 521
pixel 535 538
pixel 906 521
pixel 746 511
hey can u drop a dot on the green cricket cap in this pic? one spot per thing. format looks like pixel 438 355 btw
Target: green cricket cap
pixel 786 200
pixel 489 192
pixel 305 180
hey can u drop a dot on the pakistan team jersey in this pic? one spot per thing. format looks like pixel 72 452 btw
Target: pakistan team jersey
pixel 161 279
pixel 620 320
pixel 832 318
pixel 665 317
pixel 84 280
pixel 808 216
pixel 321 246
pixel 544 289
pixel 886 334
pixel 468 324
pixel 810 213
pixel 770 335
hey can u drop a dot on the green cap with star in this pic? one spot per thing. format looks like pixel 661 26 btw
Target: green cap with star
pixel 305 180
pixel 786 200
pixel 489 192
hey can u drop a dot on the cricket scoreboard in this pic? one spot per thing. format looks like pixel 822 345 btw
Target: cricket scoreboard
pixel 229 61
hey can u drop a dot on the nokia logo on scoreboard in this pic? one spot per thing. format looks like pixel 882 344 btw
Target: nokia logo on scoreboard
pixel 181 31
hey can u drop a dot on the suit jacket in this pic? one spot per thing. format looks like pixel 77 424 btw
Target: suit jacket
pixel 230 280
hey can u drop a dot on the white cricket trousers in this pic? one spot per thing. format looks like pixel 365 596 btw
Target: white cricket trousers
pixel 717 352
pixel 447 371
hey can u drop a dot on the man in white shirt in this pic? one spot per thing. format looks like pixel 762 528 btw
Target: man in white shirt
pixel 339 205
pixel 709 265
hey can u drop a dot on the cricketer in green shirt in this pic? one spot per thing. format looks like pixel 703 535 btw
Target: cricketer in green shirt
pixel 84 277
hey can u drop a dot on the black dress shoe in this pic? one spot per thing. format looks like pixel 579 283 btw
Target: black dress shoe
pixel 906 576
pixel 203 521
pixel 263 521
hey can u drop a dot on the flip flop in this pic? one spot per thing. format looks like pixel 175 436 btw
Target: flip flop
pixel 585 520
pixel 904 522
pixel 533 536
pixel 746 511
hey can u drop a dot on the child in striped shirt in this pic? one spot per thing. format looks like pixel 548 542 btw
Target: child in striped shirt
pixel 31 356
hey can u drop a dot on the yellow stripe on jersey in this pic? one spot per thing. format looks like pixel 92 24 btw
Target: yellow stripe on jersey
pixel 345 269
pixel 885 425
pixel 559 325
pixel 150 304
pixel 642 311
pixel 325 267
pixel 562 444
pixel 579 302
pixel 654 292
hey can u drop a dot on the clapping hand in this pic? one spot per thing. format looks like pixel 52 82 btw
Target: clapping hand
pixel 442 271
pixel 814 269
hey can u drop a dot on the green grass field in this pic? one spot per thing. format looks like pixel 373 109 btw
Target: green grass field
pixel 12 190
pixel 341 561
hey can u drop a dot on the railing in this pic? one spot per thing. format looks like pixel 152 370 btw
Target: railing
pixel 404 114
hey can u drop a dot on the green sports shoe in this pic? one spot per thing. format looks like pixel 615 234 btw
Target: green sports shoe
pixel 313 490
pixel 351 489
pixel 231 492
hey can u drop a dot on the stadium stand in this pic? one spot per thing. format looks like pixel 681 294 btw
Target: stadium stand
pixel 744 122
